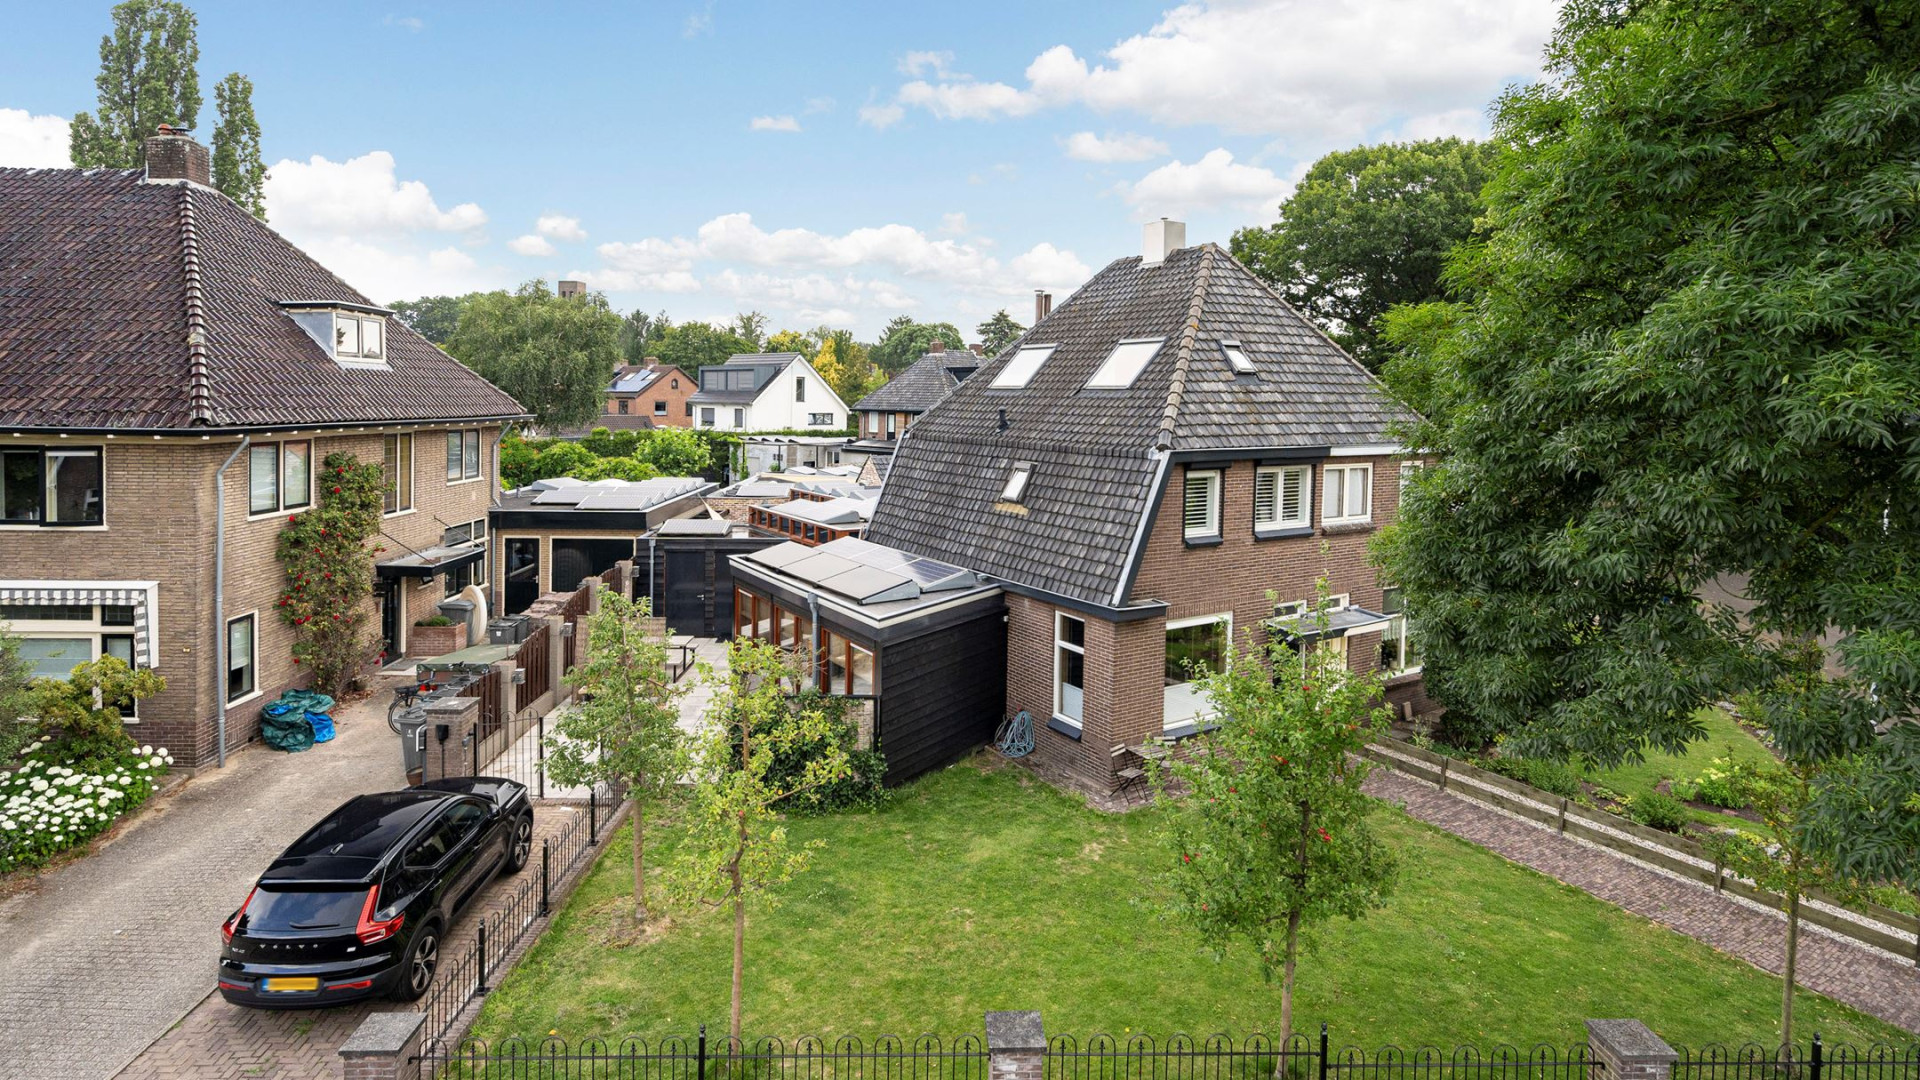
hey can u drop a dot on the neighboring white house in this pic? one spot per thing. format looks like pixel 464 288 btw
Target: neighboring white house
pixel 766 392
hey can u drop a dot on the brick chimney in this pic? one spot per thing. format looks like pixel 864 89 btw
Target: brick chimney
pixel 173 155
pixel 1042 305
pixel 937 346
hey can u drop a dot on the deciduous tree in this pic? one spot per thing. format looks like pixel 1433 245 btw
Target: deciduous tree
pixel 147 78
pixel 904 341
pixel 843 363
pixel 676 452
pixel 1366 229
pixel 554 354
pixel 735 850
pixel 237 169
pixel 694 345
pixel 625 727
pixel 1270 826
pixel 1685 361
pixel 433 317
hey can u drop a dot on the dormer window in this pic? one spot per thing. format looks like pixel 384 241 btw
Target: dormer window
pixel 354 335
pixel 358 337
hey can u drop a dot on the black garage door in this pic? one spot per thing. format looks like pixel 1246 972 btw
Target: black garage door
pixel 575 561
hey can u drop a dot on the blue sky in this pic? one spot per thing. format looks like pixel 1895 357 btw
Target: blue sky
pixel 837 164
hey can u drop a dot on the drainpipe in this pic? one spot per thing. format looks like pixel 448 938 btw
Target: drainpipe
pixel 220 595
pixel 494 587
pixel 651 602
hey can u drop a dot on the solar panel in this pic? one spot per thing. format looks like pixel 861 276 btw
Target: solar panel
pixel 820 567
pixel 932 575
pixel 867 585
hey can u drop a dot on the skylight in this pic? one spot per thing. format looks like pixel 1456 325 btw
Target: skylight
pixel 1020 370
pixel 1124 364
pixel 1017 482
pixel 1238 358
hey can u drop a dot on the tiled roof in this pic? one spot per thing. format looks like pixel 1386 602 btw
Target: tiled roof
pixel 1095 453
pixel 921 386
pixel 157 306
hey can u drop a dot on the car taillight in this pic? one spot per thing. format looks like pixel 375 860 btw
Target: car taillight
pixel 233 920
pixel 370 929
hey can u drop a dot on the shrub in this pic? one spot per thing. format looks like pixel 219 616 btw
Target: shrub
pixel 1550 776
pixel 860 788
pixel 80 715
pixel 434 620
pixel 327 555
pixel 1657 810
pixel 1714 786
pixel 50 804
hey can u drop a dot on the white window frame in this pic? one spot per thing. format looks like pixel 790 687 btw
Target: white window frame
pixel 252 618
pixel 1211 529
pixel 1278 521
pixel 457 454
pixel 1398 625
pixel 1237 358
pixel 92 631
pixel 1332 489
pixel 1015 489
pixel 799 388
pixel 1059 687
pixel 281 485
pixel 361 325
pixel 1407 471
pixel 707 416
pixel 1222 617
pixel 740 418
pixel 393 485
pixel 1018 371
pixel 1124 365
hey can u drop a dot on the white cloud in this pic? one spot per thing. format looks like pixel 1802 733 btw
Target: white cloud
pixel 699 22
pixel 406 22
pixel 360 195
pixel 774 123
pixel 928 61
pixel 35 142
pixel 819 105
pixel 881 117
pixel 1125 146
pixel 1214 182
pixel 650 256
pixel 1313 70
pixel 384 236
pixel 531 244
pixel 559 227
pixel 1464 123
pixel 608 279
pixel 954 224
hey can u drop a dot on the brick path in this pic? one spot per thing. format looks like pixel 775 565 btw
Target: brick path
pixel 100 956
pixel 218 1041
pixel 1863 978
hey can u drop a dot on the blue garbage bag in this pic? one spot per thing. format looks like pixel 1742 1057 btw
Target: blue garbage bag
pixel 322 726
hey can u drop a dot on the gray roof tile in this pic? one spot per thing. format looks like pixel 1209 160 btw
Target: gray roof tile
pixel 921 386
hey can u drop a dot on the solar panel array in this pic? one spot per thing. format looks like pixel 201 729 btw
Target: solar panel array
pixel 864 573
pixel 618 494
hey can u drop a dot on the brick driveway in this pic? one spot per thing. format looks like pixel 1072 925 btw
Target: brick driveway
pixel 218 1041
pixel 101 956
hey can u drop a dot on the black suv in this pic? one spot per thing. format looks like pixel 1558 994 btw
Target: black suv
pixel 359 905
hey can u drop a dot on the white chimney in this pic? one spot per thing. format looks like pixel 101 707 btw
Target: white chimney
pixel 1162 238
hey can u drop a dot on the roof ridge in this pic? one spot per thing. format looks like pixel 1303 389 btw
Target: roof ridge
pixel 1177 385
pixel 199 378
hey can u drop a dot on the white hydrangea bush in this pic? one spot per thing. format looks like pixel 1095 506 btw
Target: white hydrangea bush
pixel 47 806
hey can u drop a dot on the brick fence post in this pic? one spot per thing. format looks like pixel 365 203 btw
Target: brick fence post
pixel 386 1046
pixel 1016 1046
pixel 1628 1050
pixel 454 757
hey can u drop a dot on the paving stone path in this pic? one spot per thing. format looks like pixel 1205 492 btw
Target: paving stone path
pixel 1864 978
pixel 101 956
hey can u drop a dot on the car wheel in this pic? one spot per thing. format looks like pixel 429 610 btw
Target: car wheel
pixel 520 844
pixel 416 971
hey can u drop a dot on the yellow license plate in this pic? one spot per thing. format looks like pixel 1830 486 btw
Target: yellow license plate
pixel 281 985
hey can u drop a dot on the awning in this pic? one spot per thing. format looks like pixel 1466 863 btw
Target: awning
pixel 142 596
pixel 1339 622
pixel 433 561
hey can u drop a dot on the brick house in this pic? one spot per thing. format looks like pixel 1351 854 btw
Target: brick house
pixel 172 375
pixel 653 392
pixel 885 413
pixel 1139 471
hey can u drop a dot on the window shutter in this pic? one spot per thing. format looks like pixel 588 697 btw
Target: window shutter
pixel 1293 507
pixel 1265 496
pixel 1199 504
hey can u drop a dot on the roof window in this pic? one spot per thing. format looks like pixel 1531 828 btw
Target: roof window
pixel 1237 357
pixel 1016 486
pixel 1125 363
pixel 1020 370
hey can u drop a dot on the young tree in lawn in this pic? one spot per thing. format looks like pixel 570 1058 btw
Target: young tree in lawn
pixel 624 729
pixel 148 77
pixel 735 850
pixel 1269 823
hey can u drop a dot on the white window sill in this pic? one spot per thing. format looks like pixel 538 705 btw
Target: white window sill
pixel 468 480
pixel 265 514
pixel 244 698
pixel 399 513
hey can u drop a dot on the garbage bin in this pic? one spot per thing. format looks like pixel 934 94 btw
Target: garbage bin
pixel 460 612
pixel 501 631
pixel 411 723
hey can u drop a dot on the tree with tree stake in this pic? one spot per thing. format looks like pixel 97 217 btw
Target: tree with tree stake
pixel 625 727
pixel 735 850
pixel 1268 821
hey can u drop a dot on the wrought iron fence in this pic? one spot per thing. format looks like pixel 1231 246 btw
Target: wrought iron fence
pixel 846 1058
pixel 1257 1057
pixel 1817 1060
pixel 506 923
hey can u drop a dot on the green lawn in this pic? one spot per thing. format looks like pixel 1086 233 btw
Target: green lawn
pixel 1724 737
pixel 989 890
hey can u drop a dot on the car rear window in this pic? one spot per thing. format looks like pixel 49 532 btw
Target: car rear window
pixel 305 909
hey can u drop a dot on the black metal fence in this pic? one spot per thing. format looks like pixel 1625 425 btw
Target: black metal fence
pixel 1256 1057
pixel 808 1058
pixel 501 928
pixel 1817 1060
